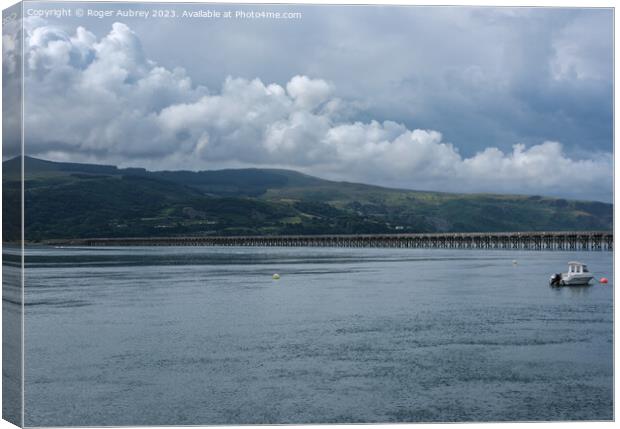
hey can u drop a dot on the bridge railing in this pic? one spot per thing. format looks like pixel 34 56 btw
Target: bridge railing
pixel 536 240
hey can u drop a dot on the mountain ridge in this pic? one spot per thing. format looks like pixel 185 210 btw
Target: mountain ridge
pixel 76 200
pixel 111 169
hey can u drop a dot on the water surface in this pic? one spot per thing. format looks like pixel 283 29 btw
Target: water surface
pixel 177 335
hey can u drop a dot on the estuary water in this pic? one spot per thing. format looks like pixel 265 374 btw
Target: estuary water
pixel 180 335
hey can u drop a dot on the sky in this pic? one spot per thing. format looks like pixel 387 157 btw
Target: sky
pixel 458 99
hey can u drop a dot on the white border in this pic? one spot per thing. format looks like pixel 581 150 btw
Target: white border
pixel 531 3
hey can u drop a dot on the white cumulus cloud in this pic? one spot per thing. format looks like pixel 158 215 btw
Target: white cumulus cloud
pixel 308 93
pixel 104 100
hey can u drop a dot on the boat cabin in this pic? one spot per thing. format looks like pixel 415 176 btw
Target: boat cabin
pixel 577 268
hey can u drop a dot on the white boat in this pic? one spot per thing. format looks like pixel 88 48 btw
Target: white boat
pixel 577 275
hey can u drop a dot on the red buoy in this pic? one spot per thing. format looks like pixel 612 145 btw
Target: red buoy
pixel 603 280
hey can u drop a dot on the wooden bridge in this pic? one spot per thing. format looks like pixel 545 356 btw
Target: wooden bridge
pixel 572 240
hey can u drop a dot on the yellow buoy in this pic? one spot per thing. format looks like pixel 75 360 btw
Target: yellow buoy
pixel 276 276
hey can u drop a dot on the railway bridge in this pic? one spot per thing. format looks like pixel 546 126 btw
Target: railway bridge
pixel 538 240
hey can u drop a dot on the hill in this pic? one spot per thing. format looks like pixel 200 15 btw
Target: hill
pixel 65 200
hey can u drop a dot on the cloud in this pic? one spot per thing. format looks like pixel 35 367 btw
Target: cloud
pixel 308 93
pixel 11 88
pixel 9 55
pixel 98 97
pixel 507 70
pixel 104 100
pixel 578 49
pixel 542 168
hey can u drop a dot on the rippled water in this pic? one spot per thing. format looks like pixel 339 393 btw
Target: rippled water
pixel 162 336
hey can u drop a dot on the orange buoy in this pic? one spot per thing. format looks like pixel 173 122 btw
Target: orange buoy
pixel 603 280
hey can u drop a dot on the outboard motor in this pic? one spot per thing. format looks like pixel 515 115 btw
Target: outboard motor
pixel 555 279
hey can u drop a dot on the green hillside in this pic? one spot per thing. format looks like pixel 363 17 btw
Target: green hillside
pixel 68 200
